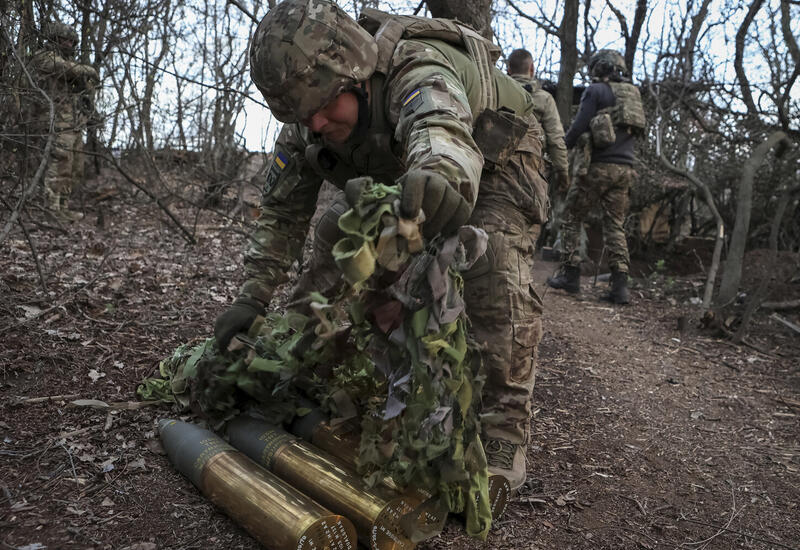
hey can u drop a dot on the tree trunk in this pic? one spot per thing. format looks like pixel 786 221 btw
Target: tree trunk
pixel 475 13
pixel 732 272
pixel 568 36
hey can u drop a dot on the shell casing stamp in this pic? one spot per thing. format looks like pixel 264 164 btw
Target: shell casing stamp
pixel 332 536
pixel 386 530
pixel 273 441
pixel 211 447
pixel 499 490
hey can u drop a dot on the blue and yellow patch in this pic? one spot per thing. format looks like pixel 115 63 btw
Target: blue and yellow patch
pixel 411 97
pixel 412 101
pixel 280 160
pixel 278 164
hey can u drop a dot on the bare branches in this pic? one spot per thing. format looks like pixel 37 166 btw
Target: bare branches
pixel 244 10
pixel 744 84
pixel 37 178
pixel 543 22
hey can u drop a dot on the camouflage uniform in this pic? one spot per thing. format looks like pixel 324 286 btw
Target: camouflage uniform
pixel 609 176
pixel 424 99
pixel 547 114
pixel 608 185
pixel 70 85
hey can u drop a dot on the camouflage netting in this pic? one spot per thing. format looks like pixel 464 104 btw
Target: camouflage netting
pixel 392 354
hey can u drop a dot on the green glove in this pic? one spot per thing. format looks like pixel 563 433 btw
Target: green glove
pixel 445 209
pixel 235 319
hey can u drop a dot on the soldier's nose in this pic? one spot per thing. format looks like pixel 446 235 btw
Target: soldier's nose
pixel 316 122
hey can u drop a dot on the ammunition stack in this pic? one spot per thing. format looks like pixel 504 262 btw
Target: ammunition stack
pixel 277 515
pixel 301 491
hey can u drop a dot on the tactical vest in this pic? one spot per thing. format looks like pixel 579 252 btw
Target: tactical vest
pixel 389 30
pixel 376 156
pixel 627 114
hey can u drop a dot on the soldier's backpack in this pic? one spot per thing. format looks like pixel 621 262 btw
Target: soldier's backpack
pixel 627 114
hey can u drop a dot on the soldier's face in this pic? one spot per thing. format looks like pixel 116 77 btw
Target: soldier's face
pixel 336 120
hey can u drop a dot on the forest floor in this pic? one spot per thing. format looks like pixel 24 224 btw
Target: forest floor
pixel 648 431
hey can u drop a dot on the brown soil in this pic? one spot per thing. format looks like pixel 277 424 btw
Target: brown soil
pixel 645 436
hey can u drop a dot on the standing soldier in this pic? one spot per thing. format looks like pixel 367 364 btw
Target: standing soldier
pixel 398 98
pixel 520 68
pixel 611 113
pixel 70 86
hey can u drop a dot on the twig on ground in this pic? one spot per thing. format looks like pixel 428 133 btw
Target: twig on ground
pixel 741 533
pixel 42 279
pixel 32 400
pixel 785 322
pixel 72 465
pixel 70 293
pixel 788 304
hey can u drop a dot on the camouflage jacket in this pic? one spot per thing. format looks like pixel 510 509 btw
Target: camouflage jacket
pixel 422 114
pixel 547 114
pixel 65 81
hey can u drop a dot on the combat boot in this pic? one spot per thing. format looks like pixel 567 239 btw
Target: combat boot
pixel 568 279
pixel 618 293
pixel 506 459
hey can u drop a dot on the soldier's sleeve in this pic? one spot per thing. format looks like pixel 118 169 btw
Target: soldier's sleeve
pixel 433 120
pixel 586 111
pixel 554 132
pixel 287 204
pixel 50 64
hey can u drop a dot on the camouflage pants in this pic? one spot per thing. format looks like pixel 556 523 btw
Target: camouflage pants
pixel 607 185
pixel 65 166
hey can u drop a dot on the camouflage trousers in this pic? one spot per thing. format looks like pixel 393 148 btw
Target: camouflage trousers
pixel 607 185
pixel 65 167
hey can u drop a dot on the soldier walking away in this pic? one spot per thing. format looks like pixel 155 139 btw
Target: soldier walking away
pixel 609 119
pixel 70 85
pixel 398 98
pixel 520 68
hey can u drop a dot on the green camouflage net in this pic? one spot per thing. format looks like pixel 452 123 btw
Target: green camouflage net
pixel 392 354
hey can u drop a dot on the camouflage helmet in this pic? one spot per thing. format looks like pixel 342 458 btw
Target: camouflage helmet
pixel 607 61
pixel 306 52
pixel 56 30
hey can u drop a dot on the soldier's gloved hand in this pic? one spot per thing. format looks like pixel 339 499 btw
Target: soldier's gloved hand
pixel 444 207
pixel 562 181
pixel 237 318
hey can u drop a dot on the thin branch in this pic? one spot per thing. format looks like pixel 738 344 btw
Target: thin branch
pixel 40 170
pixel 549 28
pixel 244 10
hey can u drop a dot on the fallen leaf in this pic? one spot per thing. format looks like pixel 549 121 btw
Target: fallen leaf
pixel 137 464
pixel 95 375
pixel 107 502
pixel 30 311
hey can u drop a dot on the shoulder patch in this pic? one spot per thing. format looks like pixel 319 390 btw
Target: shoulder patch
pixel 412 101
pixel 278 164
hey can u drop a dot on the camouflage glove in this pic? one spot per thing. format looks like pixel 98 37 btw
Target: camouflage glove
pixel 444 207
pixel 235 319
pixel 561 179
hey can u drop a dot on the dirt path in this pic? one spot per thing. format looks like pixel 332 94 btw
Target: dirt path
pixel 644 437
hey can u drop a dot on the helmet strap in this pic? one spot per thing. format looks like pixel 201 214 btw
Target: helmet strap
pixel 364 115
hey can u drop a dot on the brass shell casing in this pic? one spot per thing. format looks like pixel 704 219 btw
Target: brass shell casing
pixel 375 512
pixel 343 443
pixel 273 512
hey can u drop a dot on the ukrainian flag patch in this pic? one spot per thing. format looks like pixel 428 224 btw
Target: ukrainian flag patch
pixel 280 160
pixel 411 97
